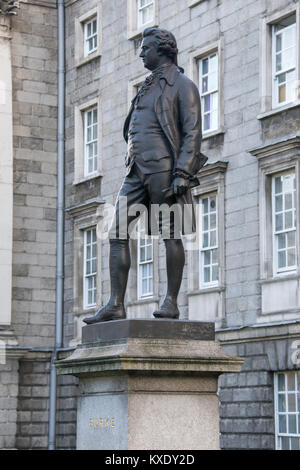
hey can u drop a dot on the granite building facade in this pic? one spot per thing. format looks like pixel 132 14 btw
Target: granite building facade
pixel 242 270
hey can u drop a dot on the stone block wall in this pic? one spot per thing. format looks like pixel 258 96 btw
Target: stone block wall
pixel 34 50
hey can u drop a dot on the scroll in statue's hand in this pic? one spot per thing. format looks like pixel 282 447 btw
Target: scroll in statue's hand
pixel 180 186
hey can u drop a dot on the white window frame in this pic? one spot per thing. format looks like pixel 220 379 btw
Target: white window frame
pixel 275 74
pixel 140 12
pixel 268 105
pixel 206 301
pixel 210 92
pixel 279 291
pixel 134 28
pixel 210 248
pixel 81 53
pixel 93 36
pixel 216 47
pixel 276 233
pixel 93 274
pixel 286 393
pixel 80 173
pixel 91 142
pixel 140 263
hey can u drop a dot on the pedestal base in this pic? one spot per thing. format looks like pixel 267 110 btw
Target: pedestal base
pixel 148 385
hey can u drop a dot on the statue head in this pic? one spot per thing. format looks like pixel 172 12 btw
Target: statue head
pixel 159 46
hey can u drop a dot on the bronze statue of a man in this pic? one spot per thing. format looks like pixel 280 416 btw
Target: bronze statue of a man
pixel 163 133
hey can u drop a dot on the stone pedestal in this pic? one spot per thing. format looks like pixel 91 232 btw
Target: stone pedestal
pixel 148 385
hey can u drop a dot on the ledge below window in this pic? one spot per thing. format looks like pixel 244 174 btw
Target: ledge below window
pixel 206 290
pixel 86 60
pixel 87 178
pixel 279 110
pixel 193 3
pixel 148 300
pixel 208 135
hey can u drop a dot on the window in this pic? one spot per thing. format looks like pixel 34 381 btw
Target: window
pixel 90 268
pixel 287 410
pixel 279 69
pixel 87 141
pixel 284 61
pixel 145 12
pixel 279 254
pixel 145 263
pixel 209 263
pixel 206 248
pixel 91 141
pixel 207 71
pixel 141 14
pixel 284 222
pixel 90 36
pixel 208 86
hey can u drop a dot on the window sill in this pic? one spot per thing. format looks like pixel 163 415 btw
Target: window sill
pixel 148 300
pixel 280 278
pixel 87 178
pixel 193 3
pixel 208 135
pixel 86 60
pixel 279 110
pixel 207 290
pixel 137 33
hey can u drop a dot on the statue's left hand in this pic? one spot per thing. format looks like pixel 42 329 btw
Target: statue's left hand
pixel 180 186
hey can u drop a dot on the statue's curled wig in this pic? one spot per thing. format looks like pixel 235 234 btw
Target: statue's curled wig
pixel 166 42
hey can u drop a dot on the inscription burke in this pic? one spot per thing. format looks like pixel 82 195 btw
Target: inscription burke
pixel 102 423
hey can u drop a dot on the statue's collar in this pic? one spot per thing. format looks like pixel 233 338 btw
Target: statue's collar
pixel 169 72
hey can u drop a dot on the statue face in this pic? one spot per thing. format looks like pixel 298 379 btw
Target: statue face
pixel 149 54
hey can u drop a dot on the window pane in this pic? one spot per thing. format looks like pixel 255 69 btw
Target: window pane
pixel 291 257
pixel 295 443
pixel 291 239
pixel 291 402
pixel 213 221
pixel 215 273
pixel 291 381
pixel 289 219
pixel 207 103
pixel 282 424
pixel 281 259
pixel 206 275
pixel 278 203
pixel 205 222
pixel 213 63
pixel 281 402
pixel 278 185
pixel 213 81
pixel 279 222
pixel 206 126
pixel 281 241
pixel 207 258
pixel 205 240
pixel 204 84
pixel 278 42
pixel 292 424
pixel 205 205
pixel 204 66
pixel 285 443
pixel 213 238
pixel 282 94
pixel 281 382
